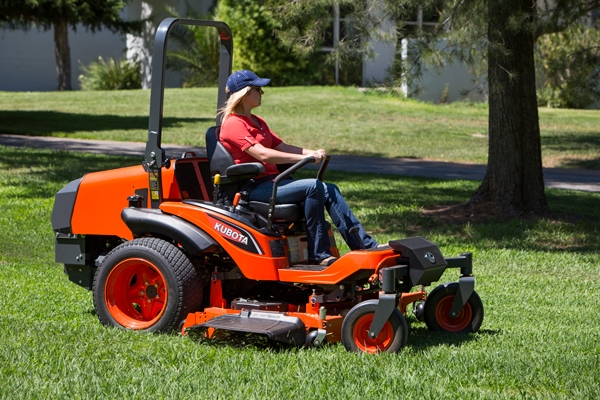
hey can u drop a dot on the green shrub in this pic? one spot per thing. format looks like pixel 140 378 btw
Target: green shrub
pixel 256 48
pixel 567 64
pixel 111 74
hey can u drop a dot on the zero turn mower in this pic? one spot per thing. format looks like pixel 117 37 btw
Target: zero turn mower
pixel 173 244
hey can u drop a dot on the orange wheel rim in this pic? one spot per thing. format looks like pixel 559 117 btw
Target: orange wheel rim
pixel 136 293
pixel 381 343
pixel 449 324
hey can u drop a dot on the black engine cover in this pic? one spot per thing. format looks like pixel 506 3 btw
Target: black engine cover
pixel 426 262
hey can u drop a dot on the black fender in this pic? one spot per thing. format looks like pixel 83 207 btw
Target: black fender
pixel 142 221
pixel 64 204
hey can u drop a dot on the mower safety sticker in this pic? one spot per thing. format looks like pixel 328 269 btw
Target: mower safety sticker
pixel 234 234
pixel 154 194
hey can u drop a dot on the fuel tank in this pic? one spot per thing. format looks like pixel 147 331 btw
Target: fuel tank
pixel 92 205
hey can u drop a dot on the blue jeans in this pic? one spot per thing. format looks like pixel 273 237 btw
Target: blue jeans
pixel 317 196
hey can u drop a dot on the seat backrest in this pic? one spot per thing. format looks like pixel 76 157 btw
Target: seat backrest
pixel 218 157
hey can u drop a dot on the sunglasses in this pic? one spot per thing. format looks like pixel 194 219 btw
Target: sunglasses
pixel 257 88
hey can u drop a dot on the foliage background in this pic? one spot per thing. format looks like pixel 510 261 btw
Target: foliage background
pixel 568 67
pixel 111 74
pixel 256 48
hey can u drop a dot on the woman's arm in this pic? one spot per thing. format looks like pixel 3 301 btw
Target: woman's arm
pixel 288 148
pixel 279 156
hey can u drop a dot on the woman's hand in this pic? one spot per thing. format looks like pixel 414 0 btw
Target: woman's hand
pixel 319 155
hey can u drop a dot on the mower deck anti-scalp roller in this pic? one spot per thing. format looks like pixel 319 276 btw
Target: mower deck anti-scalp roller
pixel 173 243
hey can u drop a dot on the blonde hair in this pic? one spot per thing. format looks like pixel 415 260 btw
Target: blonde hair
pixel 234 103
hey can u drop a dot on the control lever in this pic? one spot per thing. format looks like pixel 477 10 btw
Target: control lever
pixel 354 231
pixel 236 200
pixel 216 184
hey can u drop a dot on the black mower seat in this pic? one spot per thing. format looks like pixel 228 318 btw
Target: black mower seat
pixel 283 212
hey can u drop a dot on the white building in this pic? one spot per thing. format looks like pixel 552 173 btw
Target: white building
pixel 27 61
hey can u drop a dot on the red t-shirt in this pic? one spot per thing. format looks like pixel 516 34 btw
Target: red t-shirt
pixel 239 133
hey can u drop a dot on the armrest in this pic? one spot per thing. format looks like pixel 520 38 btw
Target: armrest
pixel 251 169
pixel 241 172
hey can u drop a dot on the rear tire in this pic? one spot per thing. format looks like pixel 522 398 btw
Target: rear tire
pixel 437 311
pixel 146 284
pixel 355 330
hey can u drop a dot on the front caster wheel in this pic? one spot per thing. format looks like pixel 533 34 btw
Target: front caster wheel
pixel 313 339
pixel 355 330
pixel 146 284
pixel 437 311
pixel 419 310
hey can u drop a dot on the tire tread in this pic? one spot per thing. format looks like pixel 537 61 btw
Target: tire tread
pixel 189 284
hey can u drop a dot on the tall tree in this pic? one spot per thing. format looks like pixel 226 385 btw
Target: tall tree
pixel 59 15
pixel 503 32
pixel 514 179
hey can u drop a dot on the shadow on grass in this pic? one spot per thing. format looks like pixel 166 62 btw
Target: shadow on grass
pixel 571 141
pixel 574 142
pixel 356 153
pixel 41 170
pixel 45 123
pixel 239 340
pixel 591 164
pixel 91 311
pixel 362 153
pixel 421 338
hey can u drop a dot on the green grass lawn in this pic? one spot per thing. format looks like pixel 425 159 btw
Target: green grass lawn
pixel 341 120
pixel 539 281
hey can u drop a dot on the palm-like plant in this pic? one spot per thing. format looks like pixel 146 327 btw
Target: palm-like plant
pixel 197 52
pixel 110 74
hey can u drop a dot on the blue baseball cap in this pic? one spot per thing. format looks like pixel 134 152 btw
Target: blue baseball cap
pixel 244 78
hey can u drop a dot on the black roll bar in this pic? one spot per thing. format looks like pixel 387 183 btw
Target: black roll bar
pixel 155 155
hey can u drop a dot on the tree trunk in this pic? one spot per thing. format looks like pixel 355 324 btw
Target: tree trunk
pixel 63 54
pixel 514 181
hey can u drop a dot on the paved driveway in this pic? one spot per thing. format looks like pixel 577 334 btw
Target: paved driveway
pixel 560 178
